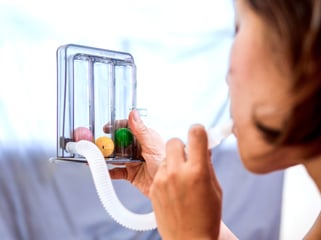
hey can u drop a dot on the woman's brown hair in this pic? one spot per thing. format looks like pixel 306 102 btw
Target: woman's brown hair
pixel 298 24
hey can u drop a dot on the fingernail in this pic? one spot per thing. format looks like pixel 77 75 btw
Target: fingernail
pixel 136 115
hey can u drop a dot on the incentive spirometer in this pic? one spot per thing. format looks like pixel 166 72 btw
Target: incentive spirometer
pixel 96 90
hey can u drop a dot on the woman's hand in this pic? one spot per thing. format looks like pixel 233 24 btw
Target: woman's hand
pixel 152 149
pixel 185 193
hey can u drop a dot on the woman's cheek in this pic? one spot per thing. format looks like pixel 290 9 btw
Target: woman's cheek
pixel 236 105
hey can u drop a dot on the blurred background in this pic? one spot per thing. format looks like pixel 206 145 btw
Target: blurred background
pixel 181 50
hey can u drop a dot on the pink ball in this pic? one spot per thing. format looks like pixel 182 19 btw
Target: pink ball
pixel 83 133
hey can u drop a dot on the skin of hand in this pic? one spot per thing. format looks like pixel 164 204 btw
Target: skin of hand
pixel 152 149
pixel 186 196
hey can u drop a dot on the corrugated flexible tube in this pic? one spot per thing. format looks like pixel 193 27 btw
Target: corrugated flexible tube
pixel 105 189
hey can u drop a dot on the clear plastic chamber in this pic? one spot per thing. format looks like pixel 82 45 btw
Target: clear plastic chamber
pixel 96 90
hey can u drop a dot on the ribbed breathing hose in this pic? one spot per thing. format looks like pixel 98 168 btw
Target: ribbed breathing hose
pixel 105 189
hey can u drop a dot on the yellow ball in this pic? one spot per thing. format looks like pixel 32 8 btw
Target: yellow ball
pixel 106 145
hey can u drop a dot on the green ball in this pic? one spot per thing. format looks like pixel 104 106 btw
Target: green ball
pixel 123 137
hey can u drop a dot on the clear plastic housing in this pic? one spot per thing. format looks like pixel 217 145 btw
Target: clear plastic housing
pixel 96 88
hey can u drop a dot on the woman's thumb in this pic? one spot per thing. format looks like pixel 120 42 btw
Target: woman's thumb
pixel 137 126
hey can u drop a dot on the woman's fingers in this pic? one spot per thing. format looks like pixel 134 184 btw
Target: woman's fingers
pixel 138 127
pixel 176 154
pixel 107 128
pixel 197 150
pixel 152 145
pixel 119 173
pixel 185 194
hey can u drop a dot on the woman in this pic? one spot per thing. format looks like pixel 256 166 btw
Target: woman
pixel 274 81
